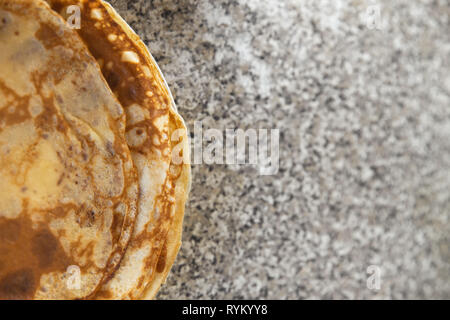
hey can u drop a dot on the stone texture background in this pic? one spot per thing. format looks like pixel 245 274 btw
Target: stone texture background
pixel 364 116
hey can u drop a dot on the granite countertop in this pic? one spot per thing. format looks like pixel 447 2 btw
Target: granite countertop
pixel 363 109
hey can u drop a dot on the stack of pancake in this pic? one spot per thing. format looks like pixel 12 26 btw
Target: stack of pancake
pixel 94 174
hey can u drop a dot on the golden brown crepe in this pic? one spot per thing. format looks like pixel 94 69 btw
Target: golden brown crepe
pixel 68 187
pixel 93 154
pixel 154 132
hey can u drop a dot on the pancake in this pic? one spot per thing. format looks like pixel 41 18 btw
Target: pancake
pixel 154 133
pixel 68 187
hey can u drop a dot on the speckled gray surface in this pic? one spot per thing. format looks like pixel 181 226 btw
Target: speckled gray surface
pixel 364 116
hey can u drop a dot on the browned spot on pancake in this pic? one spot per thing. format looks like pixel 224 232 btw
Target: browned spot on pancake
pixel 103 294
pixel 162 259
pixel 57 6
pixel 61 178
pixel 117 226
pixel 5 19
pixel 47 35
pixel 44 247
pixel 10 231
pixel 112 78
pixel 27 252
pixel 17 112
pixel 60 211
pixel 61 62
pixel 49 118
pixel 133 91
pixel 19 284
